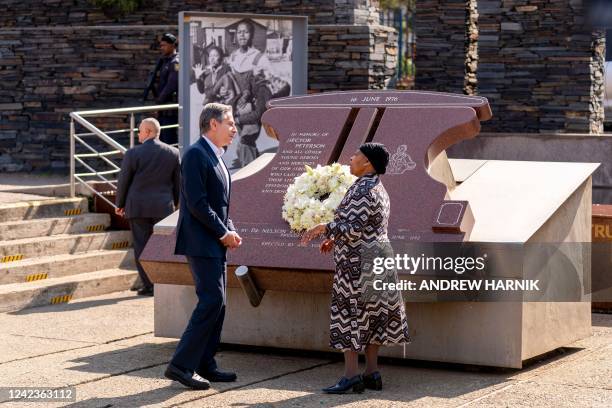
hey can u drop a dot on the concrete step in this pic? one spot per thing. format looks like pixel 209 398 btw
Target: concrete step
pixel 18 296
pixel 50 267
pixel 49 190
pixel 55 207
pixel 88 222
pixel 16 250
pixel 7 197
pixel 41 184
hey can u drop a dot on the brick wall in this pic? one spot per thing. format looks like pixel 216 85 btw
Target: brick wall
pixel 59 56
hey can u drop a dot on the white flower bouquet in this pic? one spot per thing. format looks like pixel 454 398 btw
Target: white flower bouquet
pixel 314 195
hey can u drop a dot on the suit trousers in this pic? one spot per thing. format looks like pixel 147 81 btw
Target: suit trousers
pixel 142 229
pixel 198 345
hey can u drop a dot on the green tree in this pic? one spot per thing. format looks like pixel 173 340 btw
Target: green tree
pixel 117 7
pixel 392 4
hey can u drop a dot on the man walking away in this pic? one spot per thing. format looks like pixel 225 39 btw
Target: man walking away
pixel 148 188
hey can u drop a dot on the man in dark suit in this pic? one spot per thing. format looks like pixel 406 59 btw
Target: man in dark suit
pixel 148 189
pixel 204 233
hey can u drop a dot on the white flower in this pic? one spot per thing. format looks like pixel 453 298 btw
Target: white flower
pixel 303 207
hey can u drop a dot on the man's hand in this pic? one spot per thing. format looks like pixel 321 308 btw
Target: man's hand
pixel 313 233
pixel 120 211
pixel 326 246
pixel 232 240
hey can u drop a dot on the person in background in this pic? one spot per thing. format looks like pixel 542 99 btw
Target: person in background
pixel 148 189
pixel 166 90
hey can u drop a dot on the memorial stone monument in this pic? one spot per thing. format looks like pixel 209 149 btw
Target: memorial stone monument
pixel 517 202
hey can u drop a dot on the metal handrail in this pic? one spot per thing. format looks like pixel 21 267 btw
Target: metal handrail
pixel 110 132
pixel 79 117
pixel 140 109
pixel 94 151
pixel 113 132
pixel 103 154
pixel 96 192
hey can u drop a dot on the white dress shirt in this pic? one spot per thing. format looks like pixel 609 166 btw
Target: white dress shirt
pixel 219 152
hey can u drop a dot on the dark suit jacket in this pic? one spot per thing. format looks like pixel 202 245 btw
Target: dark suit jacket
pixel 204 214
pixel 149 182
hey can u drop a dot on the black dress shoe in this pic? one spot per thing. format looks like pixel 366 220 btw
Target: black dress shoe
pixel 219 376
pixel 193 381
pixel 373 381
pixel 138 284
pixel 145 292
pixel 355 383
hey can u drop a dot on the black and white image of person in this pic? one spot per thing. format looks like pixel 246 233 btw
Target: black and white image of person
pixel 241 62
pixel 215 81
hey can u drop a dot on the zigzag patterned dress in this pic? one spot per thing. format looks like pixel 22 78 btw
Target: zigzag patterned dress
pixel 359 314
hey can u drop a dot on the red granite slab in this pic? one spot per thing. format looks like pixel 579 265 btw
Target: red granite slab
pixel 329 127
pixel 415 127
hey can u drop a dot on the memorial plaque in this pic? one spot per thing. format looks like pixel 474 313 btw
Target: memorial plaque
pixel 306 137
pixel 321 129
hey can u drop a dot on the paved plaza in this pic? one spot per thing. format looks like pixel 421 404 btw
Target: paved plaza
pixel 104 346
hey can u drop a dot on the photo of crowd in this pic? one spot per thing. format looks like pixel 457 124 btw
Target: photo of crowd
pixel 242 62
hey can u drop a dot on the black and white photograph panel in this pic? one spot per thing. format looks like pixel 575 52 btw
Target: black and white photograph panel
pixel 242 62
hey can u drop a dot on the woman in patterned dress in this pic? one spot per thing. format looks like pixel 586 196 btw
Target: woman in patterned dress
pixel 362 319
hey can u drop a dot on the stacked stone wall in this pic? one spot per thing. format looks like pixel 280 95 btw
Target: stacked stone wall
pixel 59 56
pixel 441 41
pixel 350 57
pixel 537 61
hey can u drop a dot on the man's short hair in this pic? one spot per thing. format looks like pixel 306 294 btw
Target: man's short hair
pixel 153 124
pixel 212 111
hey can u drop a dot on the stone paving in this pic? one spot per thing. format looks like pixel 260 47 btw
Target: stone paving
pixel 104 346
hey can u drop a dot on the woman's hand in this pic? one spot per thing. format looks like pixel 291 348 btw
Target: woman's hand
pixel 313 233
pixel 326 246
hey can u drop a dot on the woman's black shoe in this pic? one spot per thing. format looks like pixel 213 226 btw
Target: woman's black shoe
pixel 355 383
pixel 373 381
